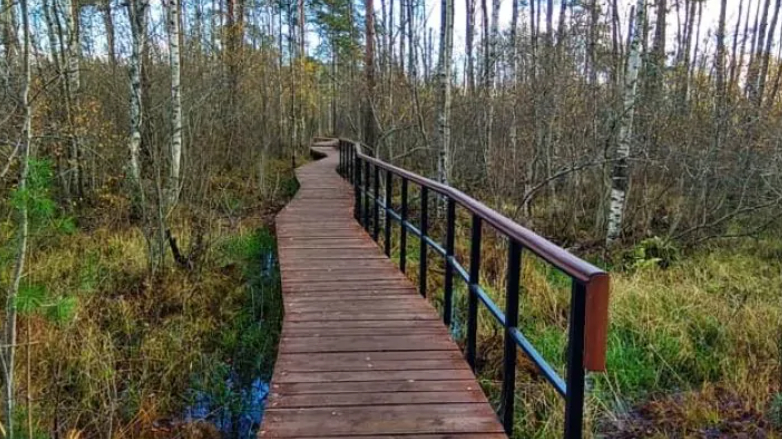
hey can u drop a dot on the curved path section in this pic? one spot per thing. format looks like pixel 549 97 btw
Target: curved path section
pixel 361 354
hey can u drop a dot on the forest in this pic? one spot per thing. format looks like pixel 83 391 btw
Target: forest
pixel 145 147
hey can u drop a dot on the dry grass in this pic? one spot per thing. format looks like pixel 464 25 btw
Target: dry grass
pixel 694 348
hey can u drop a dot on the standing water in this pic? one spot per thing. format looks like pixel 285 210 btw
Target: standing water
pixel 239 418
pixel 234 404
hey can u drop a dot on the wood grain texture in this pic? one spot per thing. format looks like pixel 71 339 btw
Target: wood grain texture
pixel 362 355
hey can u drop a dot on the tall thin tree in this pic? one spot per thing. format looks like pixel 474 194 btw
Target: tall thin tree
pixel 175 60
pixel 443 132
pixel 620 173
pixel 8 349
pixel 370 131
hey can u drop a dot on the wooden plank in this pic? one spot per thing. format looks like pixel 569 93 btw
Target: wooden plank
pixel 423 436
pixel 366 361
pixel 360 324
pixel 402 419
pixel 381 398
pixel 365 343
pixel 335 285
pixel 374 386
pixel 409 318
pixel 372 375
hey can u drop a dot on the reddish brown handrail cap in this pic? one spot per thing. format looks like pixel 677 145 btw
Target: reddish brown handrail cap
pixel 596 324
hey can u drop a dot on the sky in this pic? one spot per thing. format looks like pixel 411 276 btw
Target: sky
pixel 711 11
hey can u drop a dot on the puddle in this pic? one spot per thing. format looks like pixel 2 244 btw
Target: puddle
pixel 240 417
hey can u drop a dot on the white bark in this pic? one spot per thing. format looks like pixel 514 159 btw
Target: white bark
pixel 73 44
pixel 8 349
pixel 176 104
pixel 72 54
pixel 443 131
pixel 138 25
pixel 619 175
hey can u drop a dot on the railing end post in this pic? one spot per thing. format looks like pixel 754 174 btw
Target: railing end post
pixel 596 323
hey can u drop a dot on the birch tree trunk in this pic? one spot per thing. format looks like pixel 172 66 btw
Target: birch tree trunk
pixel 370 134
pixel 137 12
pixel 443 131
pixel 72 51
pixel 8 350
pixel 470 37
pixel 620 174
pixel 174 32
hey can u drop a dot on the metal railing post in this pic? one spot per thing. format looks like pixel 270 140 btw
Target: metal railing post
pixel 511 322
pixel 366 195
pixel 341 167
pixel 472 296
pixel 376 216
pixel 357 190
pixel 403 229
pixel 450 237
pixel 389 193
pixel 574 399
pixel 352 161
pixel 422 267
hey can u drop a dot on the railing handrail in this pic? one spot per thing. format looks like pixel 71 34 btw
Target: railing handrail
pixel 563 259
pixel 596 279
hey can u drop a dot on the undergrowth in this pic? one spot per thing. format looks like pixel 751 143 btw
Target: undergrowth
pixel 118 353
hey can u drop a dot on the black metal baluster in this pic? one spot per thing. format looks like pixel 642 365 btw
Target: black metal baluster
pixel 389 193
pixel 472 297
pixel 511 322
pixel 376 216
pixel 403 229
pixel 357 190
pixel 351 161
pixel 424 229
pixel 450 235
pixel 366 195
pixel 574 400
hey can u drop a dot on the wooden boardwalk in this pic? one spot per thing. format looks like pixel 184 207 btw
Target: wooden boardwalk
pixel 362 354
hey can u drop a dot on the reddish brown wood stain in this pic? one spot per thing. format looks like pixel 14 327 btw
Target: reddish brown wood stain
pixel 362 355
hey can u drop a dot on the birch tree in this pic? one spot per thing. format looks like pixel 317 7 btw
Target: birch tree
pixel 65 14
pixel 443 131
pixel 620 174
pixel 370 132
pixel 174 32
pixel 137 12
pixel 470 37
pixel 8 349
